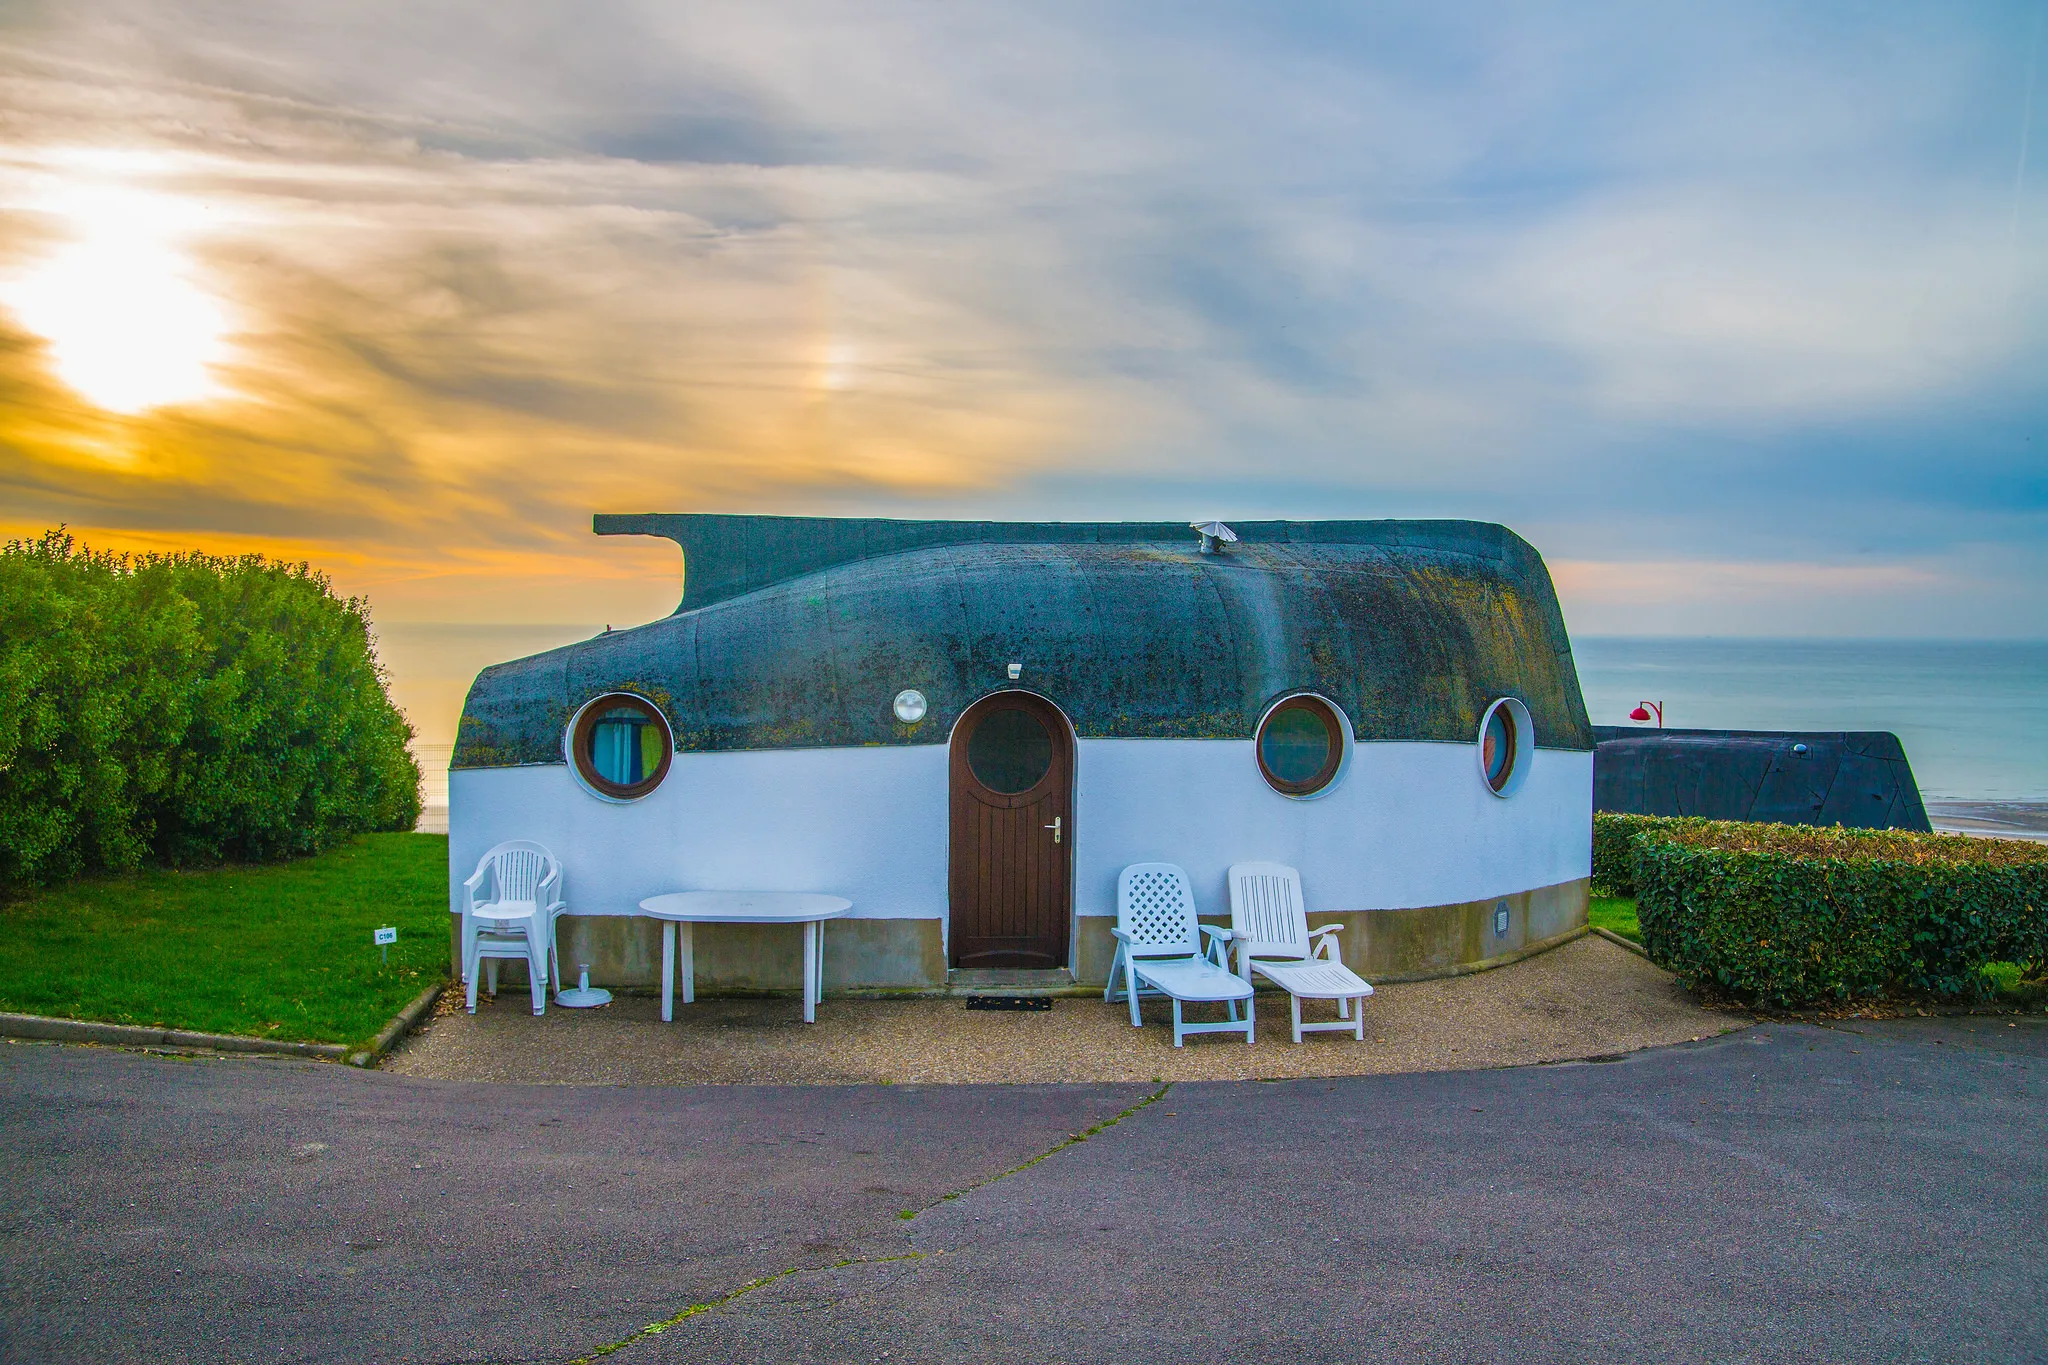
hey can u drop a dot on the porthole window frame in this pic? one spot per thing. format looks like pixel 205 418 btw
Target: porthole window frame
pixel 577 734
pixel 1052 749
pixel 1331 773
pixel 1524 746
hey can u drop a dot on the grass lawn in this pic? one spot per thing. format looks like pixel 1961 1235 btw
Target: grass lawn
pixel 1616 916
pixel 280 950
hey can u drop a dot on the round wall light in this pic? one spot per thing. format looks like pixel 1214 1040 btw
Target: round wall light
pixel 910 706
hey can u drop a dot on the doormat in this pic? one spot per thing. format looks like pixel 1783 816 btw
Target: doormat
pixel 1009 1002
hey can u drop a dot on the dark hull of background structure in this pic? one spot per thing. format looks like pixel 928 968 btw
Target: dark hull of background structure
pixel 1855 778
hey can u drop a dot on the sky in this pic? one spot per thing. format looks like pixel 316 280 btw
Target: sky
pixel 1739 313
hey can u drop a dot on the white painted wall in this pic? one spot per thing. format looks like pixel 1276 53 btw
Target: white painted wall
pixel 1406 825
pixel 868 824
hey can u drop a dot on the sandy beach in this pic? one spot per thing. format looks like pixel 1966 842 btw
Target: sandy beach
pixel 1991 819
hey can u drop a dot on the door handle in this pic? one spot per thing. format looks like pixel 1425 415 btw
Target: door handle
pixel 1055 827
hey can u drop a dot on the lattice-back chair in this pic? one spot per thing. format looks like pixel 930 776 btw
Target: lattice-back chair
pixel 1269 928
pixel 510 905
pixel 1159 950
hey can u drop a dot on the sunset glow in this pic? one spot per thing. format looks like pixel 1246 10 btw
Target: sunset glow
pixel 1743 329
pixel 127 325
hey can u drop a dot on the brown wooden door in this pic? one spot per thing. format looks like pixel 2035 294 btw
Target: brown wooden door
pixel 1013 834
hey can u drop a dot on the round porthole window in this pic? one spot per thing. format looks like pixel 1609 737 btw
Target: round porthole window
pixel 1009 751
pixel 1301 745
pixel 1505 740
pixel 620 746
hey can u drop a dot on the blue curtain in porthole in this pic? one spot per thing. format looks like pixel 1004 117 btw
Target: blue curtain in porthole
pixel 615 752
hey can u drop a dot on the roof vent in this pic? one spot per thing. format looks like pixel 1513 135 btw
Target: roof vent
pixel 1215 535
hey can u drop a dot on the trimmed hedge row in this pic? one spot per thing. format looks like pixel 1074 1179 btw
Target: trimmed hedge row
pixel 1614 847
pixel 184 709
pixel 1792 915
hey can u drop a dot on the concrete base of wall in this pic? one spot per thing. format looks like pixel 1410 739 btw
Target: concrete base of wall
pixel 1415 944
pixel 909 954
pixel 1447 940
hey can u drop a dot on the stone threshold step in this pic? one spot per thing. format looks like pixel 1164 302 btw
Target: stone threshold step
pixel 1011 981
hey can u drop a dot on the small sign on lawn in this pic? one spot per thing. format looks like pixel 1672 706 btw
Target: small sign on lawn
pixel 384 938
pixel 387 935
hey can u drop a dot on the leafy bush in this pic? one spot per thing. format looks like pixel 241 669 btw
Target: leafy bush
pixel 2003 978
pixel 1614 840
pixel 185 709
pixel 2008 982
pixel 1795 914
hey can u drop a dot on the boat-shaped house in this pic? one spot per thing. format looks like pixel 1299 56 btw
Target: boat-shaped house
pixel 969 728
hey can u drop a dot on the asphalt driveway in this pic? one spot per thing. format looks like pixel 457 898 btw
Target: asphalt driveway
pixel 1784 1193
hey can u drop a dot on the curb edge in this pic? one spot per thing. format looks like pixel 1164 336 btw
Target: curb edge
pixel 1627 943
pixel 402 1023
pixel 136 1035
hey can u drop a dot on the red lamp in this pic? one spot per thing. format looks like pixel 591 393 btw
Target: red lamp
pixel 1642 712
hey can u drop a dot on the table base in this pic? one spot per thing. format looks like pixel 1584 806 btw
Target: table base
pixel 679 957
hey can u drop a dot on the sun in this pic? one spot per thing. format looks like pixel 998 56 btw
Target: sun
pixel 127 325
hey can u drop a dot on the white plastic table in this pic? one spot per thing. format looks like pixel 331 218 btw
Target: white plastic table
pixel 686 909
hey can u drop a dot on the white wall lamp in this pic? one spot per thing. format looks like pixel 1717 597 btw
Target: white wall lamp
pixel 910 706
pixel 1016 672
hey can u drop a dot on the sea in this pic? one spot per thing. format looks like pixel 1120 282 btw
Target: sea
pixel 431 665
pixel 1973 715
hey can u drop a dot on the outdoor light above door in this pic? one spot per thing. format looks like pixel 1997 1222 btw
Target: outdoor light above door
pixel 910 706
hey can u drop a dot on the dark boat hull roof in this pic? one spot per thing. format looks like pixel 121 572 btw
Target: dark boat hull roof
pixel 1413 631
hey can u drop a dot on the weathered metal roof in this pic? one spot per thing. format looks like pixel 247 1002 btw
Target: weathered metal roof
pixel 1832 777
pixel 804 634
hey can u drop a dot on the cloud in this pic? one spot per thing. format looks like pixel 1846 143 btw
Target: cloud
pixel 1970 588
pixel 1646 284
pixel 1647 583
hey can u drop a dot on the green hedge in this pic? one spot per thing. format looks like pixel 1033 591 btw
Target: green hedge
pixel 183 709
pixel 1792 915
pixel 1614 839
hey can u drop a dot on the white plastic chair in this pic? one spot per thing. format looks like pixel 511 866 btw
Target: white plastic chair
pixel 517 918
pixel 1159 954
pixel 1269 926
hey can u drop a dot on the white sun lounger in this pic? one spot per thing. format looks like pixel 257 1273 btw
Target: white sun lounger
pixel 1269 929
pixel 1157 951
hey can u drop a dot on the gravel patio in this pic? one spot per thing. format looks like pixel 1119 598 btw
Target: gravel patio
pixel 1587 998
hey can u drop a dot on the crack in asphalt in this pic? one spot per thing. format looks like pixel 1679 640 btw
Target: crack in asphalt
pixel 1792 1178
pixel 655 1329
pixel 1071 1140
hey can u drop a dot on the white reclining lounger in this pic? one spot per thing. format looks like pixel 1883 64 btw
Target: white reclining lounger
pixel 1269 929
pixel 1158 951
